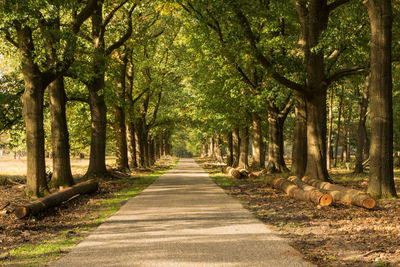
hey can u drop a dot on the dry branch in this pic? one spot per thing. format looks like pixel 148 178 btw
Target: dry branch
pixel 56 198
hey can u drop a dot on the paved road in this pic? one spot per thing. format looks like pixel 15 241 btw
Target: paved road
pixel 183 219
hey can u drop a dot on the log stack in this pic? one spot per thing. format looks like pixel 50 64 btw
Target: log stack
pixel 343 194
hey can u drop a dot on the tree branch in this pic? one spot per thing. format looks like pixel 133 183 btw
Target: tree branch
pixel 244 23
pixel 336 4
pixel 345 72
pixel 125 37
pixel 8 37
pixel 111 14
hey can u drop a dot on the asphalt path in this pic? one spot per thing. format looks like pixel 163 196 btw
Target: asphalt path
pixel 183 219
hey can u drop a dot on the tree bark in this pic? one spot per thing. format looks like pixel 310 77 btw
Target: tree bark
pixel 229 149
pixel 32 112
pixel 258 143
pixel 62 175
pixel 120 117
pixel 236 147
pixel 139 144
pixel 276 162
pixel 381 180
pixel 335 155
pixel 218 148
pixel 98 109
pixel 131 145
pixel 299 150
pixel 244 148
pixel 330 121
pixel 362 129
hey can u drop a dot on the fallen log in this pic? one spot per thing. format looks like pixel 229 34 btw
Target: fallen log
pixel 56 198
pixel 232 172
pixel 296 192
pixel 343 194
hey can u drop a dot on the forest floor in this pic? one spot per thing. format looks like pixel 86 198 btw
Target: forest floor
pixel 336 235
pixel 38 239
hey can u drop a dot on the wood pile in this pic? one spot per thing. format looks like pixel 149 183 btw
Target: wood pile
pixel 309 189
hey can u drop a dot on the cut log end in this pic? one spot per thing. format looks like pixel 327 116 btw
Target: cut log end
pixel 325 200
pixel 369 203
pixel 21 212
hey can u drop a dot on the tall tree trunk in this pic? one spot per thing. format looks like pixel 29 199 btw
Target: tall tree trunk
pixel 314 20
pixel 32 112
pixel 211 150
pixel 119 110
pixel 120 139
pixel 152 155
pixel 229 150
pixel 236 147
pixel 244 148
pixel 335 155
pixel 62 175
pixel 276 162
pixel 131 145
pixel 258 144
pixel 299 151
pixel 140 152
pixel 330 121
pixel 98 115
pixel 381 180
pixel 218 148
pixel 98 109
pixel 362 129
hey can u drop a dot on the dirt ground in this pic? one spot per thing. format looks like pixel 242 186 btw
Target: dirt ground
pixel 67 217
pixel 336 235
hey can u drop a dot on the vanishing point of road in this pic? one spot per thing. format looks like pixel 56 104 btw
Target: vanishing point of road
pixel 183 219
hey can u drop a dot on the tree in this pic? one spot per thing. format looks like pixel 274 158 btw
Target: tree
pixel 381 181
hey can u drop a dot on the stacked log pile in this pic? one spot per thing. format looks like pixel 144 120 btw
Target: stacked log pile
pixel 308 189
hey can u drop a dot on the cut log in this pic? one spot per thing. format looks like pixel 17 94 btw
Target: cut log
pixel 296 192
pixel 243 172
pixel 343 194
pixel 327 197
pixel 232 172
pixel 56 198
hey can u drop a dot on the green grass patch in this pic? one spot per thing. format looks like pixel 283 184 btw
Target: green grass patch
pixel 48 250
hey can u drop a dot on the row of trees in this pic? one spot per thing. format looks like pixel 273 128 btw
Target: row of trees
pixel 110 60
pixel 271 56
pixel 153 73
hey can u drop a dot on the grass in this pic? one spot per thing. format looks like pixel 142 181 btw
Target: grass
pixel 40 254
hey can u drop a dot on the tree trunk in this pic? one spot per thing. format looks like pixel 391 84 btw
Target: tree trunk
pixel 381 180
pixel 152 155
pixel 229 150
pixel 62 175
pixel 236 148
pixel 330 119
pixel 98 110
pixel 276 162
pixel 211 150
pixel 258 144
pixel 32 111
pixel 316 137
pixel 119 109
pixel 218 148
pixel 139 144
pixel 120 139
pixel 362 129
pixel 299 151
pixel 335 155
pixel 131 146
pixel 244 148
